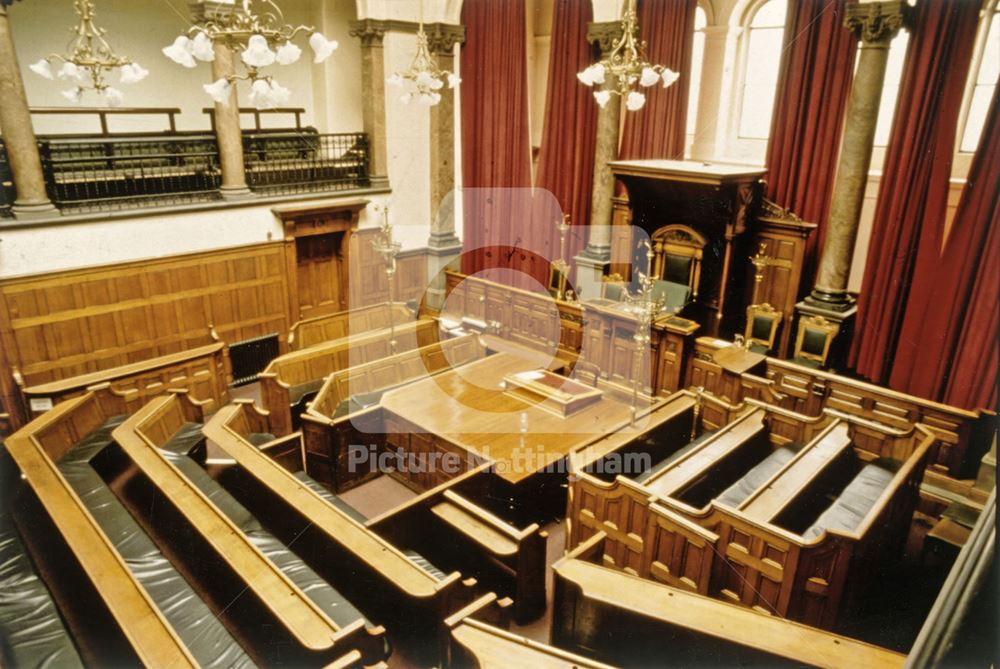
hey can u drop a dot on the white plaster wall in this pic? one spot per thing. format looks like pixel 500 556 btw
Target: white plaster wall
pixel 408 148
pixel 49 248
pixel 139 30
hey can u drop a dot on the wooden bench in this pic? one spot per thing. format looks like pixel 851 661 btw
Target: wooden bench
pixel 308 630
pixel 618 617
pixel 203 370
pixel 342 409
pixel 781 547
pixel 961 436
pixel 319 329
pixel 449 524
pixel 230 429
pixel 290 380
pixel 474 643
pixel 36 448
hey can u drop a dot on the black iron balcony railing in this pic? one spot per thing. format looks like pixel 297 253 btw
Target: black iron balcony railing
pixel 305 161
pixel 125 172
pixel 110 171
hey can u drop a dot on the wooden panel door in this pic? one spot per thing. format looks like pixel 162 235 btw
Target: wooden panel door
pixel 318 269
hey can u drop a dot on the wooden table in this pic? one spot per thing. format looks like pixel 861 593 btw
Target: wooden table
pixel 467 408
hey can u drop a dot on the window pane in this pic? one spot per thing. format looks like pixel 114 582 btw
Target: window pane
pixel 761 79
pixel 700 18
pixel 772 14
pixel 694 86
pixel 990 66
pixel 890 89
pixel 974 122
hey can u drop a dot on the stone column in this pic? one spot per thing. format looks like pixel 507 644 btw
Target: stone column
pixel 227 129
pixel 875 24
pixel 592 261
pixel 18 134
pixel 442 245
pixel 371 32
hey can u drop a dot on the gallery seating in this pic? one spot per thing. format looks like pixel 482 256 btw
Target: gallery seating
pixel 300 504
pixel 291 380
pixel 795 490
pixel 93 575
pixel 961 437
pixel 619 618
pixel 227 549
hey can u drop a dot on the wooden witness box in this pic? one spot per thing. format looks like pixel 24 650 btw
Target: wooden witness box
pixel 551 392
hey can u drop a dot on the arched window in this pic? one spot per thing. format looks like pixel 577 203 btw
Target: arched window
pixel 762 58
pixel 890 88
pixel 694 88
pixel 985 68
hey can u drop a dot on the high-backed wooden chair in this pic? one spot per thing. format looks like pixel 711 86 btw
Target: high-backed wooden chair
pixel 812 343
pixel 762 327
pixel 677 255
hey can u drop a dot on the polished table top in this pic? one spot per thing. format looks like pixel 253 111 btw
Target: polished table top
pixel 468 407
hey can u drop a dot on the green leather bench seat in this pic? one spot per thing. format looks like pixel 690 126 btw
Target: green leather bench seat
pixel 296 393
pixel 32 633
pixel 358 402
pixel 335 605
pixel 673 457
pixel 185 439
pixel 854 503
pixel 735 494
pixel 202 632
pixel 258 439
pixel 336 501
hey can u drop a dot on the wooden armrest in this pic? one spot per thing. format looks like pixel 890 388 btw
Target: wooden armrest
pixel 486 517
pixel 278 442
pixel 480 532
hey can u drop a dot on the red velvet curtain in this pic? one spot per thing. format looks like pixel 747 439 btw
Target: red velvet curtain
pixel 657 130
pixel 948 341
pixel 566 157
pixel 817 68
pixel 496 150
pixel 910 212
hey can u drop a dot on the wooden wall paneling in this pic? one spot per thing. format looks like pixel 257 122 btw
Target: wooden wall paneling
pixel 56 326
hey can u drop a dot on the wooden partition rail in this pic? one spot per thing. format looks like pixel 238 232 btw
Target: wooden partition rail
pixel 36 448
pixel 291 377
pixel 203 370
pixel 746 554
pixel 319 329
pixel 304 621
pixel 696 629
pixel 961 436
pixel 406 577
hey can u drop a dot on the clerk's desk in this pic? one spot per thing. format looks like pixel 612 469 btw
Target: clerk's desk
pixel 466 409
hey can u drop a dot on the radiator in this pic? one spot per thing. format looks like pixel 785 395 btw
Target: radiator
pixel 250 356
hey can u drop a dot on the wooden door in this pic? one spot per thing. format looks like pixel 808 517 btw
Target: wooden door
pixel 319 268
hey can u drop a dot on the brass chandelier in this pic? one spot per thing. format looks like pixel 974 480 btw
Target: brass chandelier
pixel 262 38
pixel 424 79
pixel 625 66
pixel 89 59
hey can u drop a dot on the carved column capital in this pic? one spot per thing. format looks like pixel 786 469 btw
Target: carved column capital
pixel 604 34
pixel 442 37
pixel 875 22
pixel 371 32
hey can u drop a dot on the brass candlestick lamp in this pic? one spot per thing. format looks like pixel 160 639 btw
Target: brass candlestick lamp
pixel 388 249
